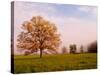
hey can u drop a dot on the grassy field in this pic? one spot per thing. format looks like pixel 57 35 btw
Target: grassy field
pixel 32 63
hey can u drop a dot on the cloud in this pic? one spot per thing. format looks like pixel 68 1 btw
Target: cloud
pixel 89 10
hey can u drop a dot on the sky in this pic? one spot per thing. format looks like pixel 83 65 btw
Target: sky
pixel 76 23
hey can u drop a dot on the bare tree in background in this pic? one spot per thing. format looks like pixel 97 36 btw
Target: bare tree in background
pixel 81 49
pixel 64 50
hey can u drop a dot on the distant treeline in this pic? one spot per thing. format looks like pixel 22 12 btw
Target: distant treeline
pixel 91 48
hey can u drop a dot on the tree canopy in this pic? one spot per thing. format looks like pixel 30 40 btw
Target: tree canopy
pixel 38 34
pixel 73 48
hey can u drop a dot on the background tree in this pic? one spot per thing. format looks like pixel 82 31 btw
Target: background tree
pixel 81 49
pixel 64 50
pixel 73 48
pixel 92 48
pixel 27 53
pixel 38 34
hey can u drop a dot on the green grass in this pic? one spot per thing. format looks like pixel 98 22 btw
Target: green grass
pixel 32 63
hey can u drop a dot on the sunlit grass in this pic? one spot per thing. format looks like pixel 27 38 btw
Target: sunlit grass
pixel 32 63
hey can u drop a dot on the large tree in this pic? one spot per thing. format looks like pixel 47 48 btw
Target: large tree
pixel 38 34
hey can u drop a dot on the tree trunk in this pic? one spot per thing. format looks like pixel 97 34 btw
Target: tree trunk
pixel 40 53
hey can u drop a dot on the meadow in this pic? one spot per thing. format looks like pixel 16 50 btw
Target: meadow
pixel 59 62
